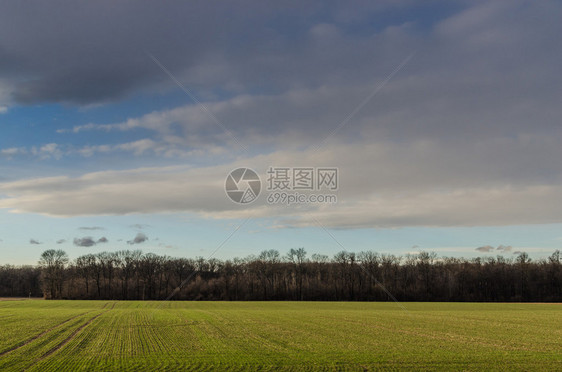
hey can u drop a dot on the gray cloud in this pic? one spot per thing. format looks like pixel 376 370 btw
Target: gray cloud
pixel 82 62
pixel 84 242
pixel 61 241
pixel 486 248
pixel 504 248
pixel 500 248
pixel 89 241
pixel 140 238
pixel 91 228
pixel 323 54
pixel 33 241
pixel 472 110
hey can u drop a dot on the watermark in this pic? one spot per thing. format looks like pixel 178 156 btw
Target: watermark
pixel 297 198
pixel 243 185
pixel 302 178
pixel 285 185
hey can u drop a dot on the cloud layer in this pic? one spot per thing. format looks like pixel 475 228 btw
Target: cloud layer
pixel 394 191
pixel 465 134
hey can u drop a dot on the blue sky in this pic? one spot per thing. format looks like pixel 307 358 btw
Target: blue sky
pixel 442 117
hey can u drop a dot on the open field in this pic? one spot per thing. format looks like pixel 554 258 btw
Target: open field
pixel 108 335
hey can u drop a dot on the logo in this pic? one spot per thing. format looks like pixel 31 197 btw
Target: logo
pixel 243 185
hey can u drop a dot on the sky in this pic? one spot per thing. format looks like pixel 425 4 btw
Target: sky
pixel 120 122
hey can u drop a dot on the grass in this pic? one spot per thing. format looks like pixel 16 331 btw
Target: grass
pixel 110 335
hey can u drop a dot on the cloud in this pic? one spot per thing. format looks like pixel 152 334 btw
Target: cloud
pixel 504 248
pixel 33 241
pixel 89 241
pixel 3 109
pixel 325 53
pixel 12 151
pixel 84 242
pixel 412 184
pixel 140 238
pixel 103 64
pixel 168 148
pixel 91 228
pixel 454 139
pixel 137 148
pixel 48 151
pixel 61 241
pixel 489 248
pixel 447 91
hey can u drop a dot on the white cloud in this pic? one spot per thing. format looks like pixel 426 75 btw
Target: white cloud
pixel 392 191
pixel 48 151
pixel 12 151
pixel 169 147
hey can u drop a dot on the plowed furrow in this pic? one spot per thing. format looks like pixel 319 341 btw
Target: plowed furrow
pixel 69 338
pixel 28 341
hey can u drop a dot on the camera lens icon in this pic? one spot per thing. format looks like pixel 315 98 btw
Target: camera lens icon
pixel 243 185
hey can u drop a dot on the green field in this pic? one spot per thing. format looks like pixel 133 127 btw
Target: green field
pixel 108 335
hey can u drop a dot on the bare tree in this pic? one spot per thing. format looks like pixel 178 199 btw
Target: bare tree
pixel 298 258
pixel 270 276
pixel 52 263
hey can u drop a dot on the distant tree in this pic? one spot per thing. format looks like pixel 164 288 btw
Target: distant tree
pixel 126 262
pixel 366 276
pixel 554 274
pixel 369 262
pixel 107 261
pixel 297 257
pixel 52 263
pixel 85 266
pixel 555 257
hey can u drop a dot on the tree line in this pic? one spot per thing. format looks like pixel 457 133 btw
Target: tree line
pixel 347 276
